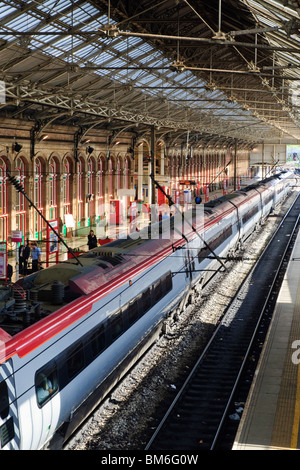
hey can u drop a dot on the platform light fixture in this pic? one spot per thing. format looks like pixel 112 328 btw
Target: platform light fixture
pixel 17 147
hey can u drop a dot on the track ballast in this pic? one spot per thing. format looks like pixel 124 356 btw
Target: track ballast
pixel 198 417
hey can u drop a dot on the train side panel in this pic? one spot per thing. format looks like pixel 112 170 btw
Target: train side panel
pixel 46 417
pixel 56 385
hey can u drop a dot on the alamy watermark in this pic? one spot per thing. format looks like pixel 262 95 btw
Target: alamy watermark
pixel 296 354
pixel 161 221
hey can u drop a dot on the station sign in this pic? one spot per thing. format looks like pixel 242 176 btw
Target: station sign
pixel 16 236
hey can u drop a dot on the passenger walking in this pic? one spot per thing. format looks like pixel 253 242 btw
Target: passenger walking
pixel 92 240
pixel 35 256
pixel 24 253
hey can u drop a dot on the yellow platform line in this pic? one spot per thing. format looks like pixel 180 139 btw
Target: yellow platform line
pixel 295 431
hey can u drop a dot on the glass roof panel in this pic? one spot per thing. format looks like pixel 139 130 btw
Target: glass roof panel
pixel 84 52
pixel 23 22
pixel 67 43
pixel 94 24
pixel 80 14
pixel 118 54
pixel 6 10
pixel 50 6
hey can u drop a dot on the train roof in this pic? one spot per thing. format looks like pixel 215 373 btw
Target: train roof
pixel 99 272
pixel 82 286
pixel 234 196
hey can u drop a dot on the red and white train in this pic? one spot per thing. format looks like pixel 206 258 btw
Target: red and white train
pixel 70 332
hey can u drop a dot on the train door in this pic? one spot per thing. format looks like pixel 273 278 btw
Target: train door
pixel 9 423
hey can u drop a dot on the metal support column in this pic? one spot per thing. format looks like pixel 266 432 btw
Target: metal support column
pixel 152 165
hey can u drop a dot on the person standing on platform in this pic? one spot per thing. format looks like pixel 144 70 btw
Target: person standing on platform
pixel 92 240
pixel 35 256
pixel 24 253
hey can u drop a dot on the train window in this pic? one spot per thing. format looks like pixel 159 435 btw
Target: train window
pixel 168 281
pixel 249 214
pixel 98 341
pixel 75 360
pixel 146 300
pixel 46 383
pixel 116 326
pixel 204 252
pixel 157 291
pixel 132 312
pixel 4 404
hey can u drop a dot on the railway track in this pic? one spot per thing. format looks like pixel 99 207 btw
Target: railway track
pixel 206 411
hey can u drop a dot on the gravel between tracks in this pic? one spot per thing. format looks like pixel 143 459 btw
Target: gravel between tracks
pixel 127 418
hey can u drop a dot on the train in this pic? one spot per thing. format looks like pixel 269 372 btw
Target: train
pixel 70 332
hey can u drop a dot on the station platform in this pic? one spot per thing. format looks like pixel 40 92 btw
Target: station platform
pixel 271 417
pixel 79 243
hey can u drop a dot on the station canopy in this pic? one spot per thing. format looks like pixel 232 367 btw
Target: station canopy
pixel 211 72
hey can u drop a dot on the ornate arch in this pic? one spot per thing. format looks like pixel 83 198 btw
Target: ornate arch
pixel 20 171
pixel 3 199
pixel 80 188
pixel 67 174
pixel 101 171
pixel 111 175
pixel 119 171
pixel 53 197
pixel 38 195
pixel 91 187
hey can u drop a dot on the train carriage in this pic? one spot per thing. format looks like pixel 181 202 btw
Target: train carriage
pixel 70 332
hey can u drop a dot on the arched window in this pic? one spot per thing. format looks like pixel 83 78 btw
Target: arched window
pixel 126 181
pixel 126 173
pixel 100 189
pixel 66 187
pixel 110 179
pixel 3 202
pixel 91 190
pixel 38 199
pixel 119 183
pixel 100 181
pixel 52 189
pixel 202 174
pixel 20 199
pixel 80 190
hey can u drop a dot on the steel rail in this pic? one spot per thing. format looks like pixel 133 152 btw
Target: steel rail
pixel 211 340
pixel 214 443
